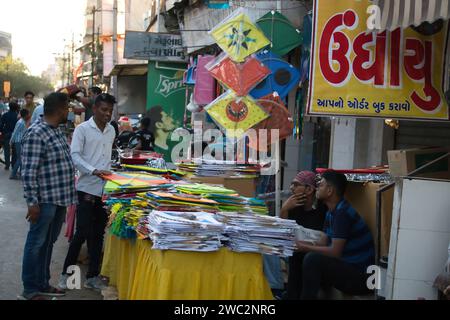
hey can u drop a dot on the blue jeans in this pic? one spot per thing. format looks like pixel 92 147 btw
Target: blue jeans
pixel 18 163
pixel 7 149
pixel 272 271
pixel 38 249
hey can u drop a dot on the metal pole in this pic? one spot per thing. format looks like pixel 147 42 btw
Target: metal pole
pixel 115 58
pixel 277 181
pixel 93 48
pixel 63 76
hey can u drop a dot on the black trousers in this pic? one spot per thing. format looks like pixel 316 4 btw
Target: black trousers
pixel 323 271
pixel 294 285
pixel 91 221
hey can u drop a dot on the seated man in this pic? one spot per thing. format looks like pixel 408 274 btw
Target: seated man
pixel 300 207
pixel 341 257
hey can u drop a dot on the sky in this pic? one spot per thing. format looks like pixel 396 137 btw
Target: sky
pixel 39 27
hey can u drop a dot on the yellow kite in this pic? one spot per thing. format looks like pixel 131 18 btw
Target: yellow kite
pixel 239 37
pixel 235 115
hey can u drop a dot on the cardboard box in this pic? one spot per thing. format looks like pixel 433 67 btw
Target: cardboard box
pixel 403 162
pixel 244 186
pixel 363 198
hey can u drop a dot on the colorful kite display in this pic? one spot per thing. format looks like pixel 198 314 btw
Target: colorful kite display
pixel 239 77
pixel 238 36
pixel 280 31
pixel 280 119
pixel 235 115
pixel 283 79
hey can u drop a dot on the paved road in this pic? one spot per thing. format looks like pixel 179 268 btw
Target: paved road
pixel 13 231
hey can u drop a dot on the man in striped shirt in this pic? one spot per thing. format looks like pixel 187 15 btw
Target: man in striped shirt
pixel 341 257
pixel 48 176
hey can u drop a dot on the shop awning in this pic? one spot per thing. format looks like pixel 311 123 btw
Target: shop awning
pixel 129 70
pixel 404 13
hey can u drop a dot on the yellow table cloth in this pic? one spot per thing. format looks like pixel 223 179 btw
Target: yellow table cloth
pixel 140 273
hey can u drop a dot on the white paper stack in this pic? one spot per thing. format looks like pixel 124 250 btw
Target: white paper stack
pixel 187 231
pixel 257 233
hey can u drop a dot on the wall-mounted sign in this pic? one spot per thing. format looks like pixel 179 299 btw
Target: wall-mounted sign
pixel 392 74
pixel 6 88
pixel 154 46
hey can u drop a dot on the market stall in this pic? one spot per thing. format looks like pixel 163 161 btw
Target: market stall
pixel 168 238
pixel 140 273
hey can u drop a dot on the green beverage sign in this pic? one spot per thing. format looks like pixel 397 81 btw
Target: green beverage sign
pixel 166 95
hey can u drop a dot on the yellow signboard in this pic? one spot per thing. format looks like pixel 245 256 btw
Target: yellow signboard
pixel 391 74
pixel 6 88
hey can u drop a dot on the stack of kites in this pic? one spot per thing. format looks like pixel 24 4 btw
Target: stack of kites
pixel 164 172
pixel 124 218
pixel 186 231
pixel 133 182
pixel 225 199
pixel 250 76
pixel 256 233
pixel 218 168
pixel 134 196
pixel 121 197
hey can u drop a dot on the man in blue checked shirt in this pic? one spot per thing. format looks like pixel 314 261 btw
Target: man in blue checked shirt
pixel 346 249
pixel 48 176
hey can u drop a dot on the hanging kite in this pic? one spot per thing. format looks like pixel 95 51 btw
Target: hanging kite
pixel 238 36
pixel 239 77
pixel 280 119
pixel 280 31
pixel 234 115
pixel 283 79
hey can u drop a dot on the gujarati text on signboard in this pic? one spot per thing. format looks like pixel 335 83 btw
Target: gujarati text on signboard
pixel 154 46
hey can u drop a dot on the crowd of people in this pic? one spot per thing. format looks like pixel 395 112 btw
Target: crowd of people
pixel 48 165
pixel 39 154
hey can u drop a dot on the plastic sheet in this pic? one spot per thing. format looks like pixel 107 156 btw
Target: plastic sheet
pixel 204 88
pixel 373 177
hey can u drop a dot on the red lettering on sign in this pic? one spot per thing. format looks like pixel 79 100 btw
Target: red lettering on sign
pixel 396 37
pixel 363 57
pixel 371 58
pixel 332 36
pixel 418 67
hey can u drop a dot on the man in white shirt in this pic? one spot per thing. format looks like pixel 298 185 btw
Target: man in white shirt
pixel 91 153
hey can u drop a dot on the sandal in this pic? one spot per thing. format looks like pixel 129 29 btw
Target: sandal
pixel 35 297
pixel 52 292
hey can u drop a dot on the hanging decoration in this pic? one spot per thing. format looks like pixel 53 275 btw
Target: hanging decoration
pixel 279 118
pixel 279 30
pixel 306 48
pixel 239 77
pixel 204 83
pixel 234 115
pixel 238 36
pixel 283 79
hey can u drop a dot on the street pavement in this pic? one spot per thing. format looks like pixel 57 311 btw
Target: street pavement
pixel 13 232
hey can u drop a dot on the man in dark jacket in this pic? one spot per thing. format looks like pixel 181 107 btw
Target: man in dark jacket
pixel 7 124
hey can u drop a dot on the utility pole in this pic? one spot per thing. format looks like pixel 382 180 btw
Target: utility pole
pixel 93 47
pixel 72 65
pixel 115 58
pixel 63 70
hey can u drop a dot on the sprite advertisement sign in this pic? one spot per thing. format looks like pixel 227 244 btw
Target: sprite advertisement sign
pixel 165 89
